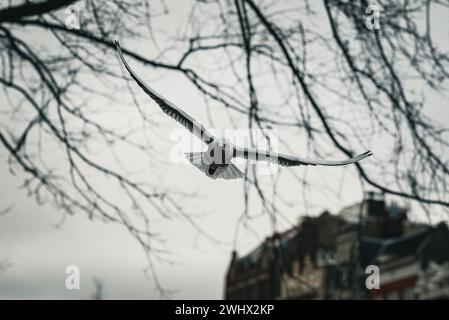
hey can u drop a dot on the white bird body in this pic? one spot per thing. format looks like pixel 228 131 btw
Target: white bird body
pixel 216 161
pixel 220 151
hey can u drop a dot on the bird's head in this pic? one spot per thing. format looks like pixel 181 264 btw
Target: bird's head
pixel 218 149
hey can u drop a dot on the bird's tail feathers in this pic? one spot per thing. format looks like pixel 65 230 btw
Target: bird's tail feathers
pixel 228 172
pixel 225 172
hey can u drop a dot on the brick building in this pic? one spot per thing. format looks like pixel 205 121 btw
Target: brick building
pixel 325 257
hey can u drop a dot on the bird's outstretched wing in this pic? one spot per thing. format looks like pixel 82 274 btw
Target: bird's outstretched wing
pixel 289 161
pixel 169 108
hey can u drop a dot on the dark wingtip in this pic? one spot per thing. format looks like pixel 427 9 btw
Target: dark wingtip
pixel 366 154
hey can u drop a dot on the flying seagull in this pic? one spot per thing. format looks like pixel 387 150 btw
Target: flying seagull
pixel 216 161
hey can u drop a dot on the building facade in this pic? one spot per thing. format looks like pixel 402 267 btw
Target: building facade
pixel 326 257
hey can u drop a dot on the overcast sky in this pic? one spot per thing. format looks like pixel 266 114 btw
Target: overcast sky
pixel 39 252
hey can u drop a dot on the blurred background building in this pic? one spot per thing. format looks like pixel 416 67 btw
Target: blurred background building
pixel 325 257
